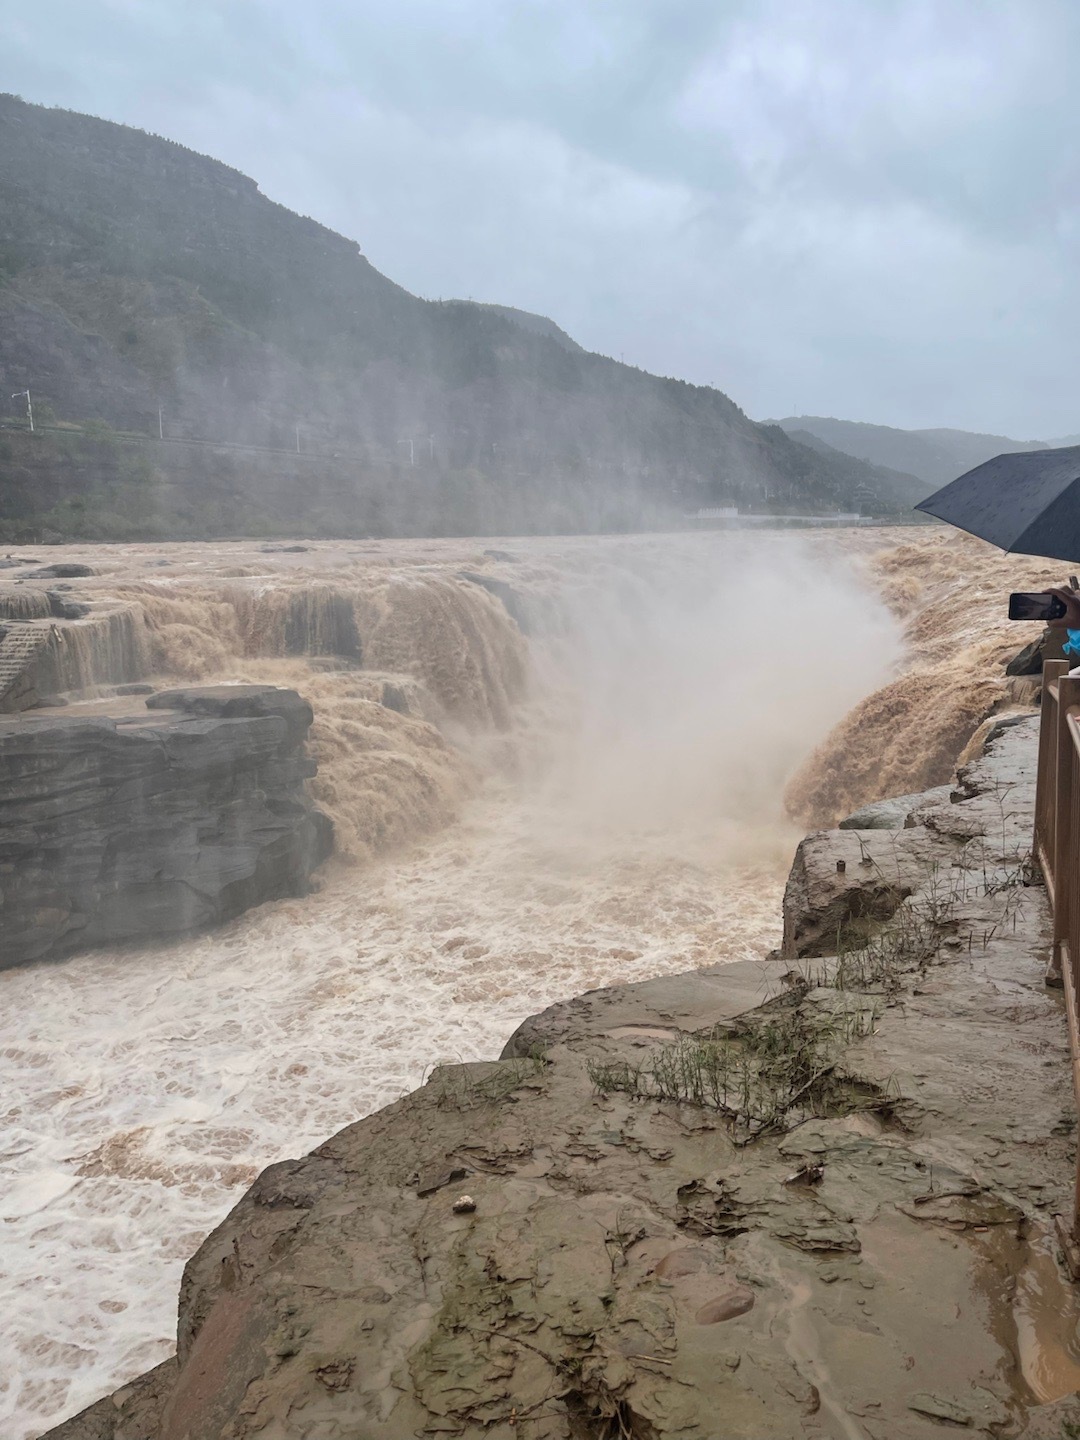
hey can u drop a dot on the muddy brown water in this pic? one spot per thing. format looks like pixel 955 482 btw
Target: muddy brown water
pixel 598 800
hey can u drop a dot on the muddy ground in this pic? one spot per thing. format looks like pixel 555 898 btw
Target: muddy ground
pixel 807 1197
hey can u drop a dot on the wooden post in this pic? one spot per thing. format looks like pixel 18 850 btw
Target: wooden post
pixel 1066 905
pixel 1065 862
pixel 1046 793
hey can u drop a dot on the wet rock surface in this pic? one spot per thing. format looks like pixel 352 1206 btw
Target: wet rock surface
pixel 62 570
pixel 872 1259
pixel 239 702
pixel 146 825
pixel 892 814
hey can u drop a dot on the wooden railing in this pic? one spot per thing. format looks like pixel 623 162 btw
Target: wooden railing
pixel 1057 851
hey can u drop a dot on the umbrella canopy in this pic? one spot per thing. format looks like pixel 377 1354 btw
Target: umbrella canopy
pixel 1027 503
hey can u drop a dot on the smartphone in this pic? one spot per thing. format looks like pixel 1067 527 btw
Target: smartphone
pixel 1036 605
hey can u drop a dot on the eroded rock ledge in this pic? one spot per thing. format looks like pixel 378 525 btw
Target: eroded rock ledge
pixel 122 829
pixel 875 1262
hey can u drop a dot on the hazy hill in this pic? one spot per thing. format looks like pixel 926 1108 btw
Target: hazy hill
pixel 934 456
pixel 538 324
pixel 138 276
pixel 906 490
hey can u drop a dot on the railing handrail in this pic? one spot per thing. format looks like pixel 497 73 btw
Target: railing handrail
pixel 1056 850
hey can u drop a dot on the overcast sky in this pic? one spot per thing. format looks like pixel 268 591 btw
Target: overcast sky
pixel 862 208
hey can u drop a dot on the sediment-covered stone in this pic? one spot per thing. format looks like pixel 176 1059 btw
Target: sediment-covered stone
pixel 892 814
pixel 239 702
pixel 129 828
pixel 62 570
pixel 843 883
pixel 131 1413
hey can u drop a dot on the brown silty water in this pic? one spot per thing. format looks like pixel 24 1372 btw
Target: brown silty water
pixel 588 791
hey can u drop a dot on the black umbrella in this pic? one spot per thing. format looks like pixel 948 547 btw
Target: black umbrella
pixel 1027 503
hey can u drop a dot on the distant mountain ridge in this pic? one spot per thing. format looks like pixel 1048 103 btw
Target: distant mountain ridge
pixel 149 290
pixel 908 489
pixel 933 456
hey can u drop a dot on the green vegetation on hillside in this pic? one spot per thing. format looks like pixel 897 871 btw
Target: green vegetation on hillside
pixel 137 276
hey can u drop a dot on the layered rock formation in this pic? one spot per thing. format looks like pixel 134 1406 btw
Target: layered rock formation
pixel 116 829
pixel 802 1199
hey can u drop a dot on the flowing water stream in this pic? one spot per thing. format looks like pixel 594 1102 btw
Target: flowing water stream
pixel 587 793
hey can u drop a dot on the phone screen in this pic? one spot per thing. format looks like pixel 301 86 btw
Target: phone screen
pixel 1035 605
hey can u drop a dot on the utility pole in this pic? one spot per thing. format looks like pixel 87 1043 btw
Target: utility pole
pixel 160 426
pixel 298 437
pixel 431 445
pixel 29 408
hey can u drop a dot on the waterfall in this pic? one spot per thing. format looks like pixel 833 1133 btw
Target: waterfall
pixel 316 619
pixel 108 647
pixel 21 603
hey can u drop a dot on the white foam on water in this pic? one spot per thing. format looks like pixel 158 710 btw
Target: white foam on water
pixel 33 1194
pixel 631 827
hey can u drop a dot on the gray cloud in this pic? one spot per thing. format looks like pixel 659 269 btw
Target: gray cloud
pixel 867 208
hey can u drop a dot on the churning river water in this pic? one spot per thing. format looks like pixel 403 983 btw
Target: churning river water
pixel 588 793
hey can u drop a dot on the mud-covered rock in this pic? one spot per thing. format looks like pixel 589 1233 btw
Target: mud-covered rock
pixel 647 1011
pixel 131 1413
pixel 62 570
pixel 1029 660
pixel 239 702
pixel 843 884
pixel 892 814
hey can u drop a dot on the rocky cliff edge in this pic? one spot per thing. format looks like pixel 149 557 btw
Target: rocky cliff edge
pixel 126 828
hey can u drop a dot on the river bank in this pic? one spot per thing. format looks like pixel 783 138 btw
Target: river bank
pixel 586 792
pixel 860 1247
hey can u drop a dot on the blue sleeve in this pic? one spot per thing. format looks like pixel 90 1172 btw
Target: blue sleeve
pixel 1072 645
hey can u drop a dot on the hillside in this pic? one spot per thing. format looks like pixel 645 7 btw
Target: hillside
pixel 932 456
pixel 904 489
pixel 537 324
pixel 138 277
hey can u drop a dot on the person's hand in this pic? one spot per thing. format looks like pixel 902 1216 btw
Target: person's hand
pixel 1071 600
